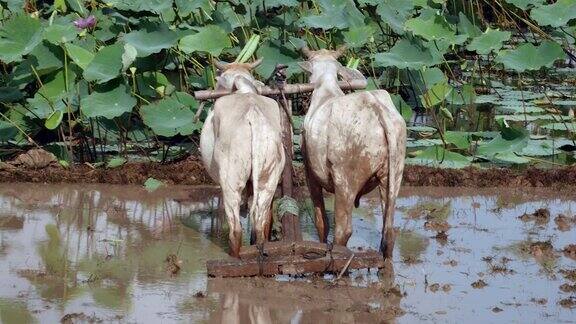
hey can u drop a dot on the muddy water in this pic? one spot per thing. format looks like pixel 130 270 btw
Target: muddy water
pixel 98 253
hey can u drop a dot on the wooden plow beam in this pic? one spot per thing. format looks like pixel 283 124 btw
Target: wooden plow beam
pixel 293 258
pixel 290 256
pixel 288 89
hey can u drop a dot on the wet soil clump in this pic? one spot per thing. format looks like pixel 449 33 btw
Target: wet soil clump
pixel 541 216
pixel 570 251
pixel 479 284
pixel 191 172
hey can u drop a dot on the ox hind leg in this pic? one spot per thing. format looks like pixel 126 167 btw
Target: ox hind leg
pixel 261 213
pixel 388 208
pixel 347 186
pixel 320 217
pixel 232 200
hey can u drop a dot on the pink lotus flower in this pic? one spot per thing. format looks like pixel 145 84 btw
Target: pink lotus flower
pixel 85 23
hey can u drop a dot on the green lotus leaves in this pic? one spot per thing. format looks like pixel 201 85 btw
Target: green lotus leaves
pixel 58 34
pixel 525 4
pixel 394 13
pixel 106 65
pixel 157 6
pixel 569 127
pixel 490 40
pixel 129 56
pixel 437 156
pixel 54 120
pixel 405 110
pixel 432 29
pixel 18 37
pixel 152 184
pixel 358 36
pixel 339 14
pixel 556 15
pixel 54 85
pixel 150 42
pixel 511 140
pixel 530 57
pixel 7 131
pixel 436 94
pixel 169 117
pixel 116 162
pixel 281 55
pixel 9 94
pixel 186 7
pixel 419 48
pixel 466 27
pixel 154 85
pixel 405 55
pixel 108 103
pixel 211 39
pixel 42 107
pixel 79 55
pixel 460 139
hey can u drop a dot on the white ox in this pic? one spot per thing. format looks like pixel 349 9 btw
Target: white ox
pixel 352 144
pixel 241 143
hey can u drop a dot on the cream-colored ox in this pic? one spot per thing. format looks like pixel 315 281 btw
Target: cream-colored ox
pixel 352 143
pixel 241 143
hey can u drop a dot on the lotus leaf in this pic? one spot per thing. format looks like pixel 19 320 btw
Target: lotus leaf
pixel 490 40
pixel 405 55
pixel 556 15
pixel 437 156
pixel 433 29
pixel 530 57
pixel 18 37
pixel 525 4
pixel 211 39
pixel 169 117
pixel 79 55
pixel 108 103
pixel 339 14
pixel 106 65
pixel 150 42
pixel 57 34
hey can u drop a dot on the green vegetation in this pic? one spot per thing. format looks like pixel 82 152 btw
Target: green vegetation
pixel 95 80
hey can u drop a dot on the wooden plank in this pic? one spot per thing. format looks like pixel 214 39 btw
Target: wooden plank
pixel 301 261
pixel 288 89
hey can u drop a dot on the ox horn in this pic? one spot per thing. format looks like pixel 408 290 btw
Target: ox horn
pixel 256 63
pixel 340 50
pixel 307 52
pixel 220 65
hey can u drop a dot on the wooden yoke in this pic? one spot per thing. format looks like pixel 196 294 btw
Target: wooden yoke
pixel 288 89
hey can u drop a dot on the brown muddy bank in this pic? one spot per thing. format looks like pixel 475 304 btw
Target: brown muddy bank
pixel 192 172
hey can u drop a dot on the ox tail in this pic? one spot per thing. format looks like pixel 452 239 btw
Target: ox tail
pixel 256 121
pixel 392 186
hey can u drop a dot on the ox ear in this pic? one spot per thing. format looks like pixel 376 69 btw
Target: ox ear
pixel 306 66
pixel 349 74
pixel 221 66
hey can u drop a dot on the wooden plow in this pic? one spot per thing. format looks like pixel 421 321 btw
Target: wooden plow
pixel 291 255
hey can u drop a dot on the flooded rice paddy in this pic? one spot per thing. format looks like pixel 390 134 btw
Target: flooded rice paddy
pixel 79 253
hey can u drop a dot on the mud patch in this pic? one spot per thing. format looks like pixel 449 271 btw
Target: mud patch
pixel 570 251
pixel 569 274
pixel 191 172
pixel 541 216
pixel 568 288
pixel 479 284
pixel 564 223
pixel 569 302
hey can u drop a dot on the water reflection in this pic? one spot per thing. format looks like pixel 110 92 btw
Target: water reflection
pixel 102 250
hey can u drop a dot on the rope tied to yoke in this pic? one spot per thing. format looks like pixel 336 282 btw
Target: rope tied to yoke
pixel 260 258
